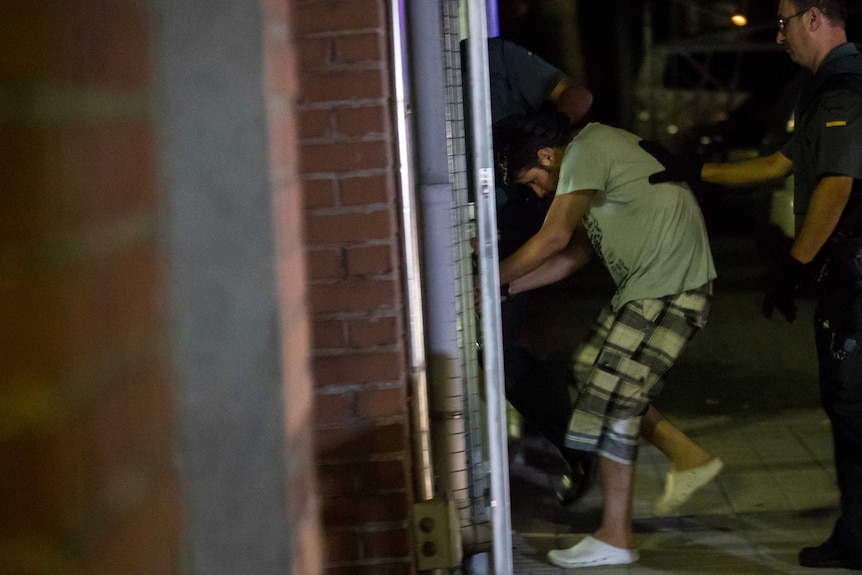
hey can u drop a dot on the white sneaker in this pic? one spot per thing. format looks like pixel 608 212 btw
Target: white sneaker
pixel 680 485
pixel 590 552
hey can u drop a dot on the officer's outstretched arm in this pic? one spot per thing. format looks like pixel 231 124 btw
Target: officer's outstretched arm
pixel 747 171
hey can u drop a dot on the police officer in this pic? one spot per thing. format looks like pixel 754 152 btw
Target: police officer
pixel 825 156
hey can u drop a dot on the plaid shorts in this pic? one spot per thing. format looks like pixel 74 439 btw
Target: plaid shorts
pixel 619 368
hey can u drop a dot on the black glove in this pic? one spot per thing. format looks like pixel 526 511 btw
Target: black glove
pixel 782 284
pixel 676 168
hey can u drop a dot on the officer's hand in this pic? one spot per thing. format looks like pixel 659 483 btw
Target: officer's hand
pixel 782 285
pixel 677 168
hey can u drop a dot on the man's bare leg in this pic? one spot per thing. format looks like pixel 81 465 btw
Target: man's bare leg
pixel 691 466
pixel 681 451
pixel 613 542
pixel 617 480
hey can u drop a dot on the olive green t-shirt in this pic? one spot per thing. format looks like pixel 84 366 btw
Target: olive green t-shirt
pixel 651 237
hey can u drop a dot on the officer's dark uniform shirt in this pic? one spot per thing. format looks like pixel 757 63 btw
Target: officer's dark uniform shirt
pixel 520 81
pixel 827 138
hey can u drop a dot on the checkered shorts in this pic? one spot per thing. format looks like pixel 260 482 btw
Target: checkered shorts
pixel 619 368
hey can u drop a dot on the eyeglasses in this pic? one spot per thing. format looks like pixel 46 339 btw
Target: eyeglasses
pixel 782 22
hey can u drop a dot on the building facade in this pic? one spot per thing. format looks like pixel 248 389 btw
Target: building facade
pixel 207 343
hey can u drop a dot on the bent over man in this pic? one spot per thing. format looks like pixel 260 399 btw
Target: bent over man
pixel 653 241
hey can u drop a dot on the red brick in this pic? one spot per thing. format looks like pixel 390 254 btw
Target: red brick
pixel 314 53
pixel 69 178
pixel 106 172
pixel 369 260
pixel 319 192
pixel 325 264
pixel 394 543
pixel 348 227
pixel 358 368
pixel 351 296
pixel 109 302
pixel 343 545
pixel 102 42
pixel 374 403
pixel 331 158
pixel 65 471
pixel 339 16
pixel 80 202
pixel 329 334
pixel 315 124
pixel 30 350
pixel 334 408
pixel 364 190
pixel 344 86
pixel 362 477
pixel 362 121
pixel 373 332
pixel 358 509
pixel 132 422
pixel 356 48
pixel 89 308
pixel 27 177
pixel 402 567
pixel 48 491
pixel 360 443
pixel 143 541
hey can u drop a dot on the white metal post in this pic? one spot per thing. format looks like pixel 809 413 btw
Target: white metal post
pixel 486 214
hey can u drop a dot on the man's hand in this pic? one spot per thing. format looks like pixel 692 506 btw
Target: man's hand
pixel 782 285
pixel 676 168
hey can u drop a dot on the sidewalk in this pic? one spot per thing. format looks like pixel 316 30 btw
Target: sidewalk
pixel 746 390
pixel 776 495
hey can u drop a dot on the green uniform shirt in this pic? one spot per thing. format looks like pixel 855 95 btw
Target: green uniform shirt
pixel 827 139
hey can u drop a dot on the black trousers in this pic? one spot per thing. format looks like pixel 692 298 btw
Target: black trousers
pixel 538 387
pixel 838 336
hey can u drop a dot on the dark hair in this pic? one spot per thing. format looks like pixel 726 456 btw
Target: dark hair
pixel 835 10
pixel 517 140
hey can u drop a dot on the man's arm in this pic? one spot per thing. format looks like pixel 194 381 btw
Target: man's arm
pixel 563 216
pixel 560 265
pixel 827 203
pixel 747 171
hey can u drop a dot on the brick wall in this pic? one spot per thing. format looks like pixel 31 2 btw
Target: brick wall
pixel 86 476
pixel 351 216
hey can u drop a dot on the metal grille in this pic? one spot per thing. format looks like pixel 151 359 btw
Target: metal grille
pixel 464 224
